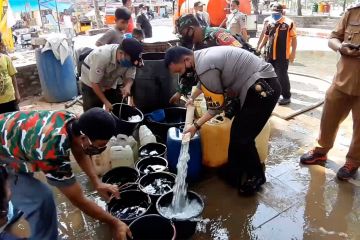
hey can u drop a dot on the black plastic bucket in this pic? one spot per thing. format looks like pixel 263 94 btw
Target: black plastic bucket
pixel 154 84
pixel 122 176
pixel 153 227
pixel 124 126
pixel 152 150
pixel 151 164
pixel 131 205
pixel 185 228
pixel 174 117
pixel 169 178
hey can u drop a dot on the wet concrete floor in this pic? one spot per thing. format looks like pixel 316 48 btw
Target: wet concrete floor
pixel 297 202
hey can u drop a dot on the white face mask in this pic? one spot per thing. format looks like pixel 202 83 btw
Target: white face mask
pixel 234 11
pixel 144 11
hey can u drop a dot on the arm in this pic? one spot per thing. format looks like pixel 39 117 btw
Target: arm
pixel 262 34
pixel 17 94
pixel 97 90
pixel 293 49
pixel 106 38
pixel 334 44
pixel 244 34
pixel 222 23
pixel 128 81
pixel 75 194
pixel 263 43
pixel 87 165
pixel 12 71
pixel 126 89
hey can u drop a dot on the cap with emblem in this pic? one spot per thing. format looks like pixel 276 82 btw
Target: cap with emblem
pixel 133 48
pixel 185 21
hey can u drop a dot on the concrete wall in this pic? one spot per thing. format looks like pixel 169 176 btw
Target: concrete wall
pixel 28 81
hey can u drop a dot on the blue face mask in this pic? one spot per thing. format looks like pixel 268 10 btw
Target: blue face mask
pixel 126 63
pixel 276 16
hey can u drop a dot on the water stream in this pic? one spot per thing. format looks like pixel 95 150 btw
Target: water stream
pixel 180 188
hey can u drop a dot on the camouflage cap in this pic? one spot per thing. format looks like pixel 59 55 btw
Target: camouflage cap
pixel 185 21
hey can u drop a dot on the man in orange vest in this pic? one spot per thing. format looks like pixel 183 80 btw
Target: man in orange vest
pixel 280 37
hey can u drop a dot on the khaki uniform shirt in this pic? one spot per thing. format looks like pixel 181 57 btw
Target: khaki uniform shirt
pixel 104 68
pixel 347 78
pixel 236 22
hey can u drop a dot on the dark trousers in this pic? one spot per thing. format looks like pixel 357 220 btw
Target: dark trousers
pixel 91 100
pixel 281 68
pixel 11 106
pixel 243 158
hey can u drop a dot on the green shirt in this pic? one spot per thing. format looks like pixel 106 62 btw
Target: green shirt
pixel 37 141
pixel 7 70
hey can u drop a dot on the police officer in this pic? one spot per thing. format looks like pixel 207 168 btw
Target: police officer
pixel 280 37
pixel 236 21
pixel 343 96
pixel 253 81
pixel 197 37
pixel 105 68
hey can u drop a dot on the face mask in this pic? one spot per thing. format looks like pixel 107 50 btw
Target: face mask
pixel 126 63
pixel 234 11
pixel 144 11
pixel 276 16
pixel 189 71
pixel 92 150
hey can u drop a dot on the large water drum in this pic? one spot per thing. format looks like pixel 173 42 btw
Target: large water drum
pixel 154 85
pixel 58 82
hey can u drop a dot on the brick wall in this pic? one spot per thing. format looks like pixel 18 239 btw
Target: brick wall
pixel 28 81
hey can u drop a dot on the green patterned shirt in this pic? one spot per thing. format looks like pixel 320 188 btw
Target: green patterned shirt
pixel 37 141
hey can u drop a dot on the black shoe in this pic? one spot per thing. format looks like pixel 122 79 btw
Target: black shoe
pixel 249 186
pixel 347 171
pixel 285 101
pixel 311 157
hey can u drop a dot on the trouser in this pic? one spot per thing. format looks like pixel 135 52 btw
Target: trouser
pixel 281 68
pixel 336 108
pixel 36 200
pixel 243 158
pixel 11 106
pixel 91 100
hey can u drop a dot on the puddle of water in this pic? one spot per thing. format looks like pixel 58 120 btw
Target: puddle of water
pixel 214 227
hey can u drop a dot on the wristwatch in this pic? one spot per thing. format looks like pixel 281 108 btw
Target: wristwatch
pixel 197 126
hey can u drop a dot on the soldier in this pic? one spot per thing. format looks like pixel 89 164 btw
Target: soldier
pixel 197 37
pixel 343 96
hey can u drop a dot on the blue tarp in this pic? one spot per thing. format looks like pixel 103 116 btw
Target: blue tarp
pixel 21 5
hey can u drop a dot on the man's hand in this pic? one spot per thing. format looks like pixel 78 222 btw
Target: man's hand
pixel 191 129
pixel 126 91
pixel 189 102
pixel 292 57
pixel 107 191
pixel 17 97
pixel 120 231
pixel 350 50
pixel 175 99
pixel 108 106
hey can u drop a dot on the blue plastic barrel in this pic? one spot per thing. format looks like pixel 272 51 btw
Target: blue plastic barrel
pixel 173 144
pixel 58 82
